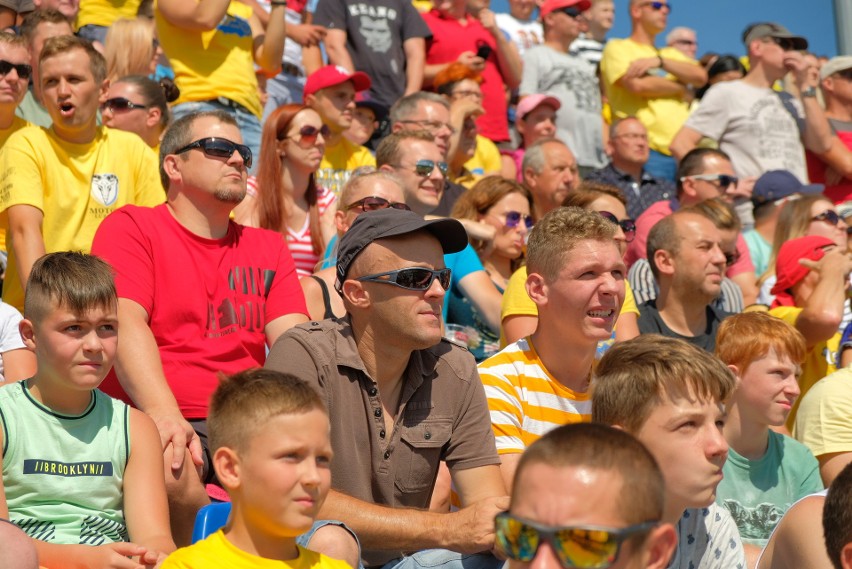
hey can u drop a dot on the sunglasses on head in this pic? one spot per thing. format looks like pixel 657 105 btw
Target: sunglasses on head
pixel 828 216
pixel 412 278
pixel 309 134
pixel 513 219
pixel 373 203
pixel 577 547
pixel 426 167
pixel 121 104
pixel 725 181
pixel 219 148
pixel 658 6
pixel 24 71
pixel 628 226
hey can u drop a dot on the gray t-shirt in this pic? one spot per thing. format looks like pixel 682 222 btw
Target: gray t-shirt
pixel 707 538
pixel 753 127
pixel 572 80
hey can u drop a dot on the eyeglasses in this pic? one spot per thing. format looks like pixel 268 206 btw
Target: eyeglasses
pixel 468 93
pixel 628 226
pixel 829 216
pixel 121 104
pixel 572 11
pixel 219 148
pixel 24 71
pixel 577 547
pixel 786 44
pixel 732 258
pixel 373 203
pixel 431 125
pixel 658 5
pixel 426 167
pixel 724 181
pixel 513 219
pixel 686 42
pixel 309 134
pixel 412 278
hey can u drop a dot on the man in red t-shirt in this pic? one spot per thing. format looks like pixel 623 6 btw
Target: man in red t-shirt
pixel 198 294
pixel 481 45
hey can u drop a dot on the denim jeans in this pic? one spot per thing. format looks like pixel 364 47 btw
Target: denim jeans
pixel 248 123
pixel 305 538
pixel 282 89
pixel 445 559
pixel 661 166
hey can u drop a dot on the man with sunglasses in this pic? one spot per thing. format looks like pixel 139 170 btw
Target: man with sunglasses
pixel 653 85
pixel 685 40
pixel 551 68
pixel 198 295
pixel 595 495
pixel 758 128
pixel 60 183
pixel 15 72
pixel 408 397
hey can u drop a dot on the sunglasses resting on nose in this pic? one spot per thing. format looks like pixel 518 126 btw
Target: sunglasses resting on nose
pixel 121 104
pixel 513 219
pixel 628 226
pixel 426 167
pixel 577 547
pixel 829 216
pixel 219 148
pixel 373 203
pixel 724 180
pixel 412 278
pixel 310 133
pixel 24 71
pixel 658 5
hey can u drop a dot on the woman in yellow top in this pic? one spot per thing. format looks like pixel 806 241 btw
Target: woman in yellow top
pixel 138 104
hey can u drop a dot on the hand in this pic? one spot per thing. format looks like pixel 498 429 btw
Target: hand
pixel 832 176
pixel 479 230
pixel 489 22
pixel 744 188
pixel 472 528
pixel 152 559
pixel 461 110
pixel 473 61
pixel 110 556
pixel 306 35
pixel 795 63
pixel 836 263
pixel 641 67
pixel 174 429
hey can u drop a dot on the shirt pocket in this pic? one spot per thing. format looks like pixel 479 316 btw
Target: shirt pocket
pixel 419 453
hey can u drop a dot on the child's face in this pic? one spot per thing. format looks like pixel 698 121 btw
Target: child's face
pixel 685 436
pixel 767 389
pixel 285 475
pixel 74 351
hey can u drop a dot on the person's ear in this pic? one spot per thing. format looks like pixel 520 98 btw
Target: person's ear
pixel 340 222
pixel 355 293
pixel 397 127
pixel 27 331
pixel 664 261
pixel 310 100
pixel 104 91
pixel 171 168
pixel 226 463
pixel 386 168
pixel 736 371
pixel 846 556
pixel 537 289
pixel 659 546
pixel 153 117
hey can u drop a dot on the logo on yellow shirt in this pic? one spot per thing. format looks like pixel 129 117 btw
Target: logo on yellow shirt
pixel 105 188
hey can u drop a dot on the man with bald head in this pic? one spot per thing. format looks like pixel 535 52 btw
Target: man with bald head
pixel 410 398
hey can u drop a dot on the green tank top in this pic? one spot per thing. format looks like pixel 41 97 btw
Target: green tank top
pixel 64 475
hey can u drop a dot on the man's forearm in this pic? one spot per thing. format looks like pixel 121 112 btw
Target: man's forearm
pixel 28 244
pixel 509 61
pixel 685 72
pixel 415 61
pixel 817 136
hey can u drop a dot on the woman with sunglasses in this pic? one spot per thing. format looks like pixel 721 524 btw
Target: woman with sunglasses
pixel 138 104
pixel 505 206
pixel 285 196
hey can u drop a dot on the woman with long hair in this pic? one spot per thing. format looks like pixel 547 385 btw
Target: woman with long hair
pixel 131 48
pixel 138 104
pixel 285 196
pixel 505 206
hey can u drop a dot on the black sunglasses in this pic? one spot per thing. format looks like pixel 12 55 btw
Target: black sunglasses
pixel 725 181
pixel 373 203
pixel 513 219
pixel 412 278
pixel 219 148
pixel 24 71
pixel 121 104
pixel 571 11
pixel 828 216
pixel 628 226
pixel 786 44
pixel 576 547
pixel 310 133
pixel 658 5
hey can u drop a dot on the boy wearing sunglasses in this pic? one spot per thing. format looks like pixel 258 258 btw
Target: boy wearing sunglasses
pixel 670 395
pixel 410 398
pixel 594 494
pixel 60 183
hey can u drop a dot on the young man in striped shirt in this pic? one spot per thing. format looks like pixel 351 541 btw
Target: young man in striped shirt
pixel 576 278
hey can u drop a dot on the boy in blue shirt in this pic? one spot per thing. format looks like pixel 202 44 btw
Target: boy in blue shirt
pixel 82 473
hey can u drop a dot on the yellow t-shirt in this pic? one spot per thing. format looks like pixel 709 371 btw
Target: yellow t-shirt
pixel 105 12
pixel 74 185
pixel 216 551
pixel 214 63
pixel 339 161
pixel 17 124
pixel 819 361
pixel 516 301
pixel 662 116
pixel 486 160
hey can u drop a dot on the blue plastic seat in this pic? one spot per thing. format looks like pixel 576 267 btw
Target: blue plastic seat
pixel 209 519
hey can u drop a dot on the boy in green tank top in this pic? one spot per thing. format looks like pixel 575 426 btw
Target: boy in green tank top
pixel 82 473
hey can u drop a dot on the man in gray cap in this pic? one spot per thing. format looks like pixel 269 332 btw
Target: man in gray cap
pixel 758 128
pixel 834 168
pixel 400 398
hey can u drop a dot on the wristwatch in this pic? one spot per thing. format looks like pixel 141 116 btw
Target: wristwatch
pixel 809 92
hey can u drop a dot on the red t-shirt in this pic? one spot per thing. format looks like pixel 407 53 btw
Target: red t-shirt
pixel 449 39
pixel 816 172
pixel 208 300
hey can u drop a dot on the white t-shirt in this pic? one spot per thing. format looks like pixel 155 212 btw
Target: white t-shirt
pixel 10 337
pixel 707 538
pixel 524 34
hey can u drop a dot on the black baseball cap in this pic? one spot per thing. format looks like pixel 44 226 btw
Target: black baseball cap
pixel 383 223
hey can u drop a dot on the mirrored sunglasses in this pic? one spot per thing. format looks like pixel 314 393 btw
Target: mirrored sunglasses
pixel 373 203
pixel 576 547
pixel 628 226
pixel 219 148
pixel 426 167
pixel 412 278
pixel 658 6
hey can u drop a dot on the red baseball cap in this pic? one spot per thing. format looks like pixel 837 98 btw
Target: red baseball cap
pixel 332 75
pixel 788 270
pixel 553 5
